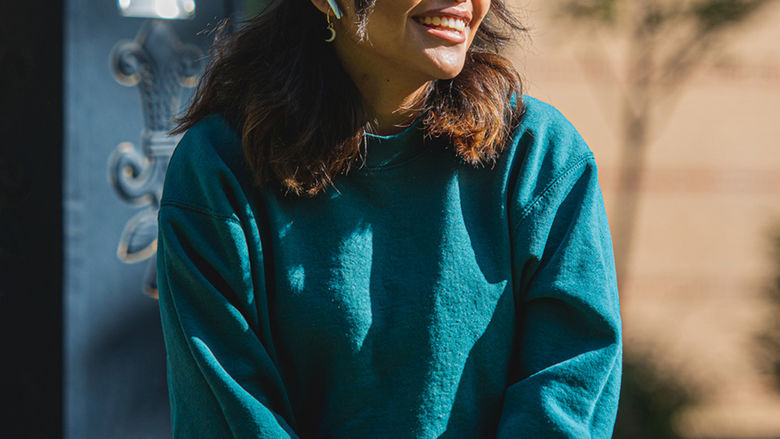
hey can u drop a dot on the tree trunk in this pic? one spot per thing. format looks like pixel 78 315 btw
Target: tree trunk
pixel 635 124
pixel 628 196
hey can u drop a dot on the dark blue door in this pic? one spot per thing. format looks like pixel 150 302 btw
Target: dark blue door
pixel 114 361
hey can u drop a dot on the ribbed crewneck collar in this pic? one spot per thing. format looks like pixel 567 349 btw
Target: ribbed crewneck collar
pixel 383 151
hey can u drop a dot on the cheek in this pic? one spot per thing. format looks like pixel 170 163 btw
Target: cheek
pixel 481 8
pixel 384 30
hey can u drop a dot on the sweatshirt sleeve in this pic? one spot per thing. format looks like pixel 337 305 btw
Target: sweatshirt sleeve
pixel 222 381
pixel 569 348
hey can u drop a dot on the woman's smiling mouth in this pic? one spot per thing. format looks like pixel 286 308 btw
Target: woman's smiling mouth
pixel 449 28
pixel 445 22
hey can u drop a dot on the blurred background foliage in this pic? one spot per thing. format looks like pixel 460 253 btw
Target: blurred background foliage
pixel 768 339
pixel 667 40
pixel 651 400
pixel 664 43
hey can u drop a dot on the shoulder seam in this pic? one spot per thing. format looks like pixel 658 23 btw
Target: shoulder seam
pixel 557 180
pixel 200 210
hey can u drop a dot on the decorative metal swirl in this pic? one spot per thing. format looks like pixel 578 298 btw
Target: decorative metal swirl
pixel 162 67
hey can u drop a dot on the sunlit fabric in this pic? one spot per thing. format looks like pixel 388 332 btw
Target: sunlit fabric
pixel 420 298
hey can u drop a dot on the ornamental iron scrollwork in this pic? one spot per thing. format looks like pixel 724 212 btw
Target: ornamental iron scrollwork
pixel 162 68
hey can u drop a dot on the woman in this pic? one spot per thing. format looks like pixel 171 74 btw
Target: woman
pixel 367 231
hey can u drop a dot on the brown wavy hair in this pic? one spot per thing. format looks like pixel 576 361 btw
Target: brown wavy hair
pixel 302 119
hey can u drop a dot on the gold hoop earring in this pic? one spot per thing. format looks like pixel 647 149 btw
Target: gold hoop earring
pixel 330 29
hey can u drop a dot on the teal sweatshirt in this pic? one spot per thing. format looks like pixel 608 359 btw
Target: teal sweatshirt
pixel 419 298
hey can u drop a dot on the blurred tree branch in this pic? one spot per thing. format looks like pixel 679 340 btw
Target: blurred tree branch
pixel 651 399
pixel 768 339
pixel 666 41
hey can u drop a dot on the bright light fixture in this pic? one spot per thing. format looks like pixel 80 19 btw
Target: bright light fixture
pixel 188 6
pixel 166 9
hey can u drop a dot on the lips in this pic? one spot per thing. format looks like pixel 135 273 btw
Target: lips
pixel 449 24
pixel 453 12
pixel 446 22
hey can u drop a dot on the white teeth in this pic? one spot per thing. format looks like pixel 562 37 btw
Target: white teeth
pixel 449 22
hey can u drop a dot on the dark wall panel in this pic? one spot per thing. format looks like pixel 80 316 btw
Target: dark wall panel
pixel 30 218
pixel 114 364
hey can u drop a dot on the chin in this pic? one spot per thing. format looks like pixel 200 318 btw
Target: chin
pixel 450 73
pixel 447 68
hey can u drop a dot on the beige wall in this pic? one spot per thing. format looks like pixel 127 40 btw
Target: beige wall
pixel 709 198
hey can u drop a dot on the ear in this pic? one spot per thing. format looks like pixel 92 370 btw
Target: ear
pixel 321 5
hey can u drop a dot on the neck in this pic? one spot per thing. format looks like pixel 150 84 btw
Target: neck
pixel 391 106
pixel 392 99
